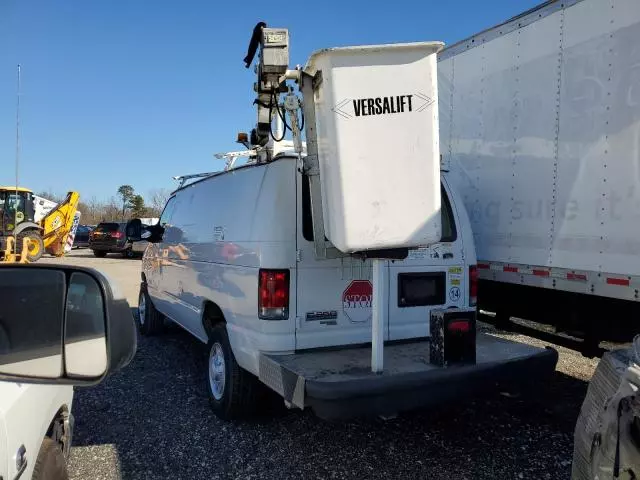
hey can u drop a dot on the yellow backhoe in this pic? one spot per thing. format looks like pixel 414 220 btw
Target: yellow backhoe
pixel 19 230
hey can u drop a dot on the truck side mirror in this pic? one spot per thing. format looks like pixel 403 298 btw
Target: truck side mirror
pixel 62 325
pixel 153 233
pixel 133 229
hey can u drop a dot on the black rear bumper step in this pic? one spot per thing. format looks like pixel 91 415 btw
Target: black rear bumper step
pixel 340 384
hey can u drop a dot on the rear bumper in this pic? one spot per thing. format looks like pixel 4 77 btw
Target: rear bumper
pixel 408 382
pixel 103 247
pixel 424 389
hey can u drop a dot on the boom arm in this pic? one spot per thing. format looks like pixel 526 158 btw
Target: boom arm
pixel 57 224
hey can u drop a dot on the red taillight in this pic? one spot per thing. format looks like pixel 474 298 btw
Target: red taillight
pixel 273 294
pixel 459 326
pixel 116 235
pixel 473 285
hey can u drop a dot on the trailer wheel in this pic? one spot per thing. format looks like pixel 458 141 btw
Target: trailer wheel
pixel 150 320
pixel 502 321
pixel 36 245
pixel 232 390
pixel 50 464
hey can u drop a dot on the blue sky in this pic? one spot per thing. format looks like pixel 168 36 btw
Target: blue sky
pixel 137 91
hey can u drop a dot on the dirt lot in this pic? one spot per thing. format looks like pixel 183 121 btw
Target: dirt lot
pixel 152 420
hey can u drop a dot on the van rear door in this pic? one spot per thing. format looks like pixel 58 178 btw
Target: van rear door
pixel 333 297
pixel 433 277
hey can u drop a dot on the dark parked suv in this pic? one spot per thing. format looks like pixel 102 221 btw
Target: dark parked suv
pixel 110 237
pixel 81 240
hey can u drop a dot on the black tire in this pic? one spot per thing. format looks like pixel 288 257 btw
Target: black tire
pixel 239 395
pixel 128 253
pixel 502 321
pixel 150 320
pixel 50 464
pixel 99 253
pixel 36 245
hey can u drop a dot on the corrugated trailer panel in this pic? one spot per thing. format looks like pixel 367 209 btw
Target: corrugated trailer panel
pixel 600 138
pixel 540 124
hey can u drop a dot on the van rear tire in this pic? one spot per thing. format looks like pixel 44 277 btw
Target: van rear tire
pixel 232 390
pixel 150 320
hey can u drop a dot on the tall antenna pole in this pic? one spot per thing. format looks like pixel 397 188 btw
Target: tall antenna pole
pixel 15 220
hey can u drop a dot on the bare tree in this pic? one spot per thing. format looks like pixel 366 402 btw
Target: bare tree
pixel 159 197
pixel 50 195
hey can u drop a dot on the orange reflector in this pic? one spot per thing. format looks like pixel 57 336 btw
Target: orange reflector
pixel 623 282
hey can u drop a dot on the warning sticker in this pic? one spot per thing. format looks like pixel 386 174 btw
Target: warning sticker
pixel 356 301
pixel 419 253
pixel 455 269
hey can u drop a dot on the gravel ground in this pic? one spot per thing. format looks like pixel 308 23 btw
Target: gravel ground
pixel 152 420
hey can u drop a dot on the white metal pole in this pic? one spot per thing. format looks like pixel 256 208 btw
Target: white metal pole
pixel 15 219
pixel 379 310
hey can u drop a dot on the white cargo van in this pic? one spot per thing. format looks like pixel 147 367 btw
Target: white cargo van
pixel 236 268
pixel 539 122
pixel 239 260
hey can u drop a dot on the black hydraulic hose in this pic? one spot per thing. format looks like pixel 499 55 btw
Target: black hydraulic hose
pixel 253 43
pixel 284 126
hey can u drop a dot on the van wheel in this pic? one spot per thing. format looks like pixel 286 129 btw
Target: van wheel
pixel 99 253
pixel 50 464
pixel 232 390
pixel 150 320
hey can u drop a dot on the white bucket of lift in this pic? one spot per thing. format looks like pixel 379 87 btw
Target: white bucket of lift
pixel 377 129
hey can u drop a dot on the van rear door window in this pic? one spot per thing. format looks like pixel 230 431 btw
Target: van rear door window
pixel 108 227
pixel 307 219
pixel 449 233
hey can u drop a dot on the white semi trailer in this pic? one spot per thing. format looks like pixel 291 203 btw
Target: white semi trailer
pixel 540 127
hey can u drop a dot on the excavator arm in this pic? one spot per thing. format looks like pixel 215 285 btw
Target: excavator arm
pixel 57 224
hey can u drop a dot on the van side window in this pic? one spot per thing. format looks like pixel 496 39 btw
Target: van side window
pixel 307 219
pixel 449 233
pixel 165 217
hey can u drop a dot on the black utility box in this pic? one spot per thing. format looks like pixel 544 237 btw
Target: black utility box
pixel 453 337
